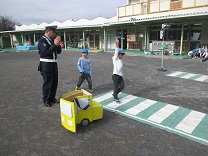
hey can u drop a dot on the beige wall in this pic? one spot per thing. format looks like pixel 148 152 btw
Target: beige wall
pixel 139 7
pixel 188 3
pixel 201 2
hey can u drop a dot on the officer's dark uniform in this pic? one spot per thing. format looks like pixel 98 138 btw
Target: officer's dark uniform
pixel 48 67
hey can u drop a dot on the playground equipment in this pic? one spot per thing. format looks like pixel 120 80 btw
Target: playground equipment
pixel 77 107
pixel 27 47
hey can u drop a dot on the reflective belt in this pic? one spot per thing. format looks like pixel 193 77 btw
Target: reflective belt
pixel 48 60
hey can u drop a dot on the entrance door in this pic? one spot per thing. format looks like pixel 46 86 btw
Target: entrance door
pixel 94 41
pixel 124 38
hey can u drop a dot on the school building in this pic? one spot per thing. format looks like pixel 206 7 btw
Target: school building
pixel 137 24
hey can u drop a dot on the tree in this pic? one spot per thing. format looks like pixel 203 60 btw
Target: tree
pixel 7 23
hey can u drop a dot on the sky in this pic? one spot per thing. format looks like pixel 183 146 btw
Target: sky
pixel 39 11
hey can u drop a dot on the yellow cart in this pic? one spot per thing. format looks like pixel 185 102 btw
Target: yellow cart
pixel 77 107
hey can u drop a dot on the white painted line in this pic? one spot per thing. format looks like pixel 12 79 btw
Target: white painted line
pixel 104 97
pixel 124 100
pixel 175 73
pixel 190 122
pixel 140 107
pixel 188 76
pixel 163 113
pixel 159 125
pixel 202 78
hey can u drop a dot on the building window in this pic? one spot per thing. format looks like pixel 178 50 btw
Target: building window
pixel 185 35
pixel 172 35
pixel 134 1
pixel 195 35
pixel 153 35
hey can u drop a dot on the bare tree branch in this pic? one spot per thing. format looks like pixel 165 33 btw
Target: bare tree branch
pixel 7 23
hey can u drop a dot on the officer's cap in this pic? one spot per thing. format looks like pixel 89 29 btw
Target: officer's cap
pixel 121 51
pixel 84 51
pixel 53 28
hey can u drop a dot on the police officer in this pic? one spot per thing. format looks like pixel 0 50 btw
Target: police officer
pixel 49 47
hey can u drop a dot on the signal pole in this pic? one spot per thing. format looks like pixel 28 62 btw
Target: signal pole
pixel 165 26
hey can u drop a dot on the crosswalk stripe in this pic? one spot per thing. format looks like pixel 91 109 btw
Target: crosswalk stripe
pixel 140 107
pixel 202 78
pixel 123 101
pixel 181 133
pixel 188 76
pixel 181 121
pixel 175 118
pixel 202 129
pixel 151 110
pixel 104 97
pixel 130 104
pixel 163 113
pixel 175 73
pixel 190 122
pixel 110 99
pixel 169 129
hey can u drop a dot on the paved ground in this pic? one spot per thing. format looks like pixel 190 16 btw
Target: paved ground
pixel 29 128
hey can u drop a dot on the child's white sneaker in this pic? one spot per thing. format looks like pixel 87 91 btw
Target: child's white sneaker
pixel 117 100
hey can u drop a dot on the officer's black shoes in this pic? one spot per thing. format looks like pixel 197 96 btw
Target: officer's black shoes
pixel 54 100
pixel 47 103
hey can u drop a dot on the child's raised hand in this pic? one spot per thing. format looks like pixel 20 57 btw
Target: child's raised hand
pixel 117 42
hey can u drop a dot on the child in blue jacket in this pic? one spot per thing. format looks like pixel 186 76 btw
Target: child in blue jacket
pixel 85 68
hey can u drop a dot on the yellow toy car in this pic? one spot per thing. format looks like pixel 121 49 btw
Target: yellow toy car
pixel 77 107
